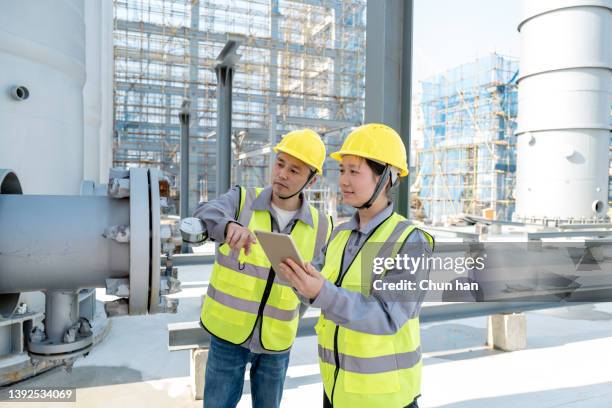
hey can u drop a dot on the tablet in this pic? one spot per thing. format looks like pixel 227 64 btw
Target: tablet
pixel 278 247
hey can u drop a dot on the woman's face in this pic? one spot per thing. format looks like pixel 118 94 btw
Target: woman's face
pixel 357 180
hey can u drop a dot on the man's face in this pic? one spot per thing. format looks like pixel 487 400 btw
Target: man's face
pixel 288 175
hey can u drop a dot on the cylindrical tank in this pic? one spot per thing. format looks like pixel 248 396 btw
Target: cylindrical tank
pixel 98 90
pixel 42 72
pixel 565 88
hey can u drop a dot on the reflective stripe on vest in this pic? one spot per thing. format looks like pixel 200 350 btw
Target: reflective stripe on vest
pixel 243 287
pixel 361 369
pixel 372 365
pixel 250 306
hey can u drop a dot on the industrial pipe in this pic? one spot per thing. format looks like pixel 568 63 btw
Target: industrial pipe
pixel 57 242
pixel 61 244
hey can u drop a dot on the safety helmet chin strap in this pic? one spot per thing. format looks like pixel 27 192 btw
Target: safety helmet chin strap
pixel 379 188
pixel 388 173
pixel 310 177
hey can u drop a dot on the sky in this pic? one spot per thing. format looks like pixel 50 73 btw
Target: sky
pixel 448 33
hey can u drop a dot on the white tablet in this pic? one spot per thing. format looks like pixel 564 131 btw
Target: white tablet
pixel 278 247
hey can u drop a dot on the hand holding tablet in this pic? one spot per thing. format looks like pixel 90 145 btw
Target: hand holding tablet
pixel 278 247
pixel 281 249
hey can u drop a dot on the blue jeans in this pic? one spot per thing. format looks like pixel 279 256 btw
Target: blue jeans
pixel 224 376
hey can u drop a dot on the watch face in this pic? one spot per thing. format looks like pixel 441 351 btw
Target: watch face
pixel 193 230
pixel 192 225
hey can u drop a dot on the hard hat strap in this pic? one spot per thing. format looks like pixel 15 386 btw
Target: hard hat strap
pixel 312 174
pixel 379 187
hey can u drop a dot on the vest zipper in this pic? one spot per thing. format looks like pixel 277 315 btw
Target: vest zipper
pixel 266 295
pixel 338 283
pixel 336 354
pixel 267 291
pixel 337 361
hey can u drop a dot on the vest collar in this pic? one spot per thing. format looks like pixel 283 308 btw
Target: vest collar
pixel 353 223
pixel 263 202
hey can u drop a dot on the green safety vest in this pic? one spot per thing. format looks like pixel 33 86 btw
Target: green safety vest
pixel 360 369
pixel 244 287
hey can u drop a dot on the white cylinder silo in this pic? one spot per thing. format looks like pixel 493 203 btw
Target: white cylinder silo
pixel 98 90
pixel 565 88
pixel 42 48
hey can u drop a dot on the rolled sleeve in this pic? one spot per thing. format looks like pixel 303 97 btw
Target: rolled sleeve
pixel 326 297
pixel 216 214
pixel 379 313
pixel 319 259
pixel 305 301
pixel 317 263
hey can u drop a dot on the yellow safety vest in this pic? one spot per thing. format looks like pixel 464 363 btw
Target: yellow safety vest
pixel 361 369
pixel 244 287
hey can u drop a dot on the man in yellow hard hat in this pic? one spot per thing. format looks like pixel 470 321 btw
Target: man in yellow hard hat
pixel 368 337
pixel 252 316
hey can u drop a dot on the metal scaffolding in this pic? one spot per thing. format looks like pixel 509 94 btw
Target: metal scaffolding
pixel 302 65
pixel 466 158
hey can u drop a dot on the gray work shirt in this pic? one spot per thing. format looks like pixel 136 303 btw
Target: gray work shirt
pixel 375 314
pixel 216 214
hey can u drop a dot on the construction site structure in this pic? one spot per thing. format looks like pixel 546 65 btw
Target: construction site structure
pixel 465 161
pixel 302 64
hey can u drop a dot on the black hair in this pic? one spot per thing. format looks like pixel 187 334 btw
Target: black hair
pixel 378 169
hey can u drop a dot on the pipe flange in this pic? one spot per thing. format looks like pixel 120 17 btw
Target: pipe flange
pixel 60 357
pixel 155 261
pixel 58 350
pixel 140 243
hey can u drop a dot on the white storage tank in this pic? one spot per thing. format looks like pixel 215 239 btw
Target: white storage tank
pixel 98 90
pixel 565 94
pixel 42 53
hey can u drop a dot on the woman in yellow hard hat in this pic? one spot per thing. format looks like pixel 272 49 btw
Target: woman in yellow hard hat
pixel 368 342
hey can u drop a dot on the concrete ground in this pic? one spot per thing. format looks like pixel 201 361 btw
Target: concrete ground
pixel 568 362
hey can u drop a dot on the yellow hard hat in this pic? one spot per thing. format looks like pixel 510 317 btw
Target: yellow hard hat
pixel 305 145
pixel 377 142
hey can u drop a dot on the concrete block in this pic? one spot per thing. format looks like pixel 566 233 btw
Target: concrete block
pixel 507 331
pixel 197 369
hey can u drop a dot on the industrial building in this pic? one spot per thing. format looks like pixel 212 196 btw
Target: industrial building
pixel 301 64
pixel 467 157
pixel 119 117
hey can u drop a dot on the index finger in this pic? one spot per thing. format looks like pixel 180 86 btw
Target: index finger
pixel 311 270
pixel 297 268
pixel 289 274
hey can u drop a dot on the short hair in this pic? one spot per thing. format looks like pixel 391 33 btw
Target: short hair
pixel 378 169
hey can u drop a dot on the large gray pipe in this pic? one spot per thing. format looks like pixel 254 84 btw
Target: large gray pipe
pixel 56 242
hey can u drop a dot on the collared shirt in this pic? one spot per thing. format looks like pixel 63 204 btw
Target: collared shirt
pixel 283 216
pixel 352 309
pixel 263 202
pixel 357 238
pixel 216 214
